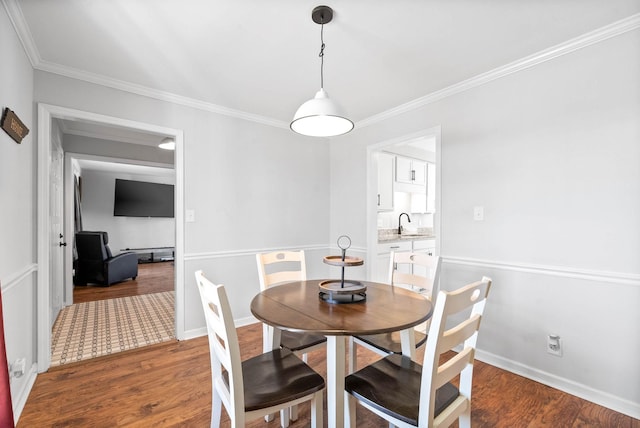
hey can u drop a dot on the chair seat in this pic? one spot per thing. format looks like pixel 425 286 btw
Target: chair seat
pixel 277 377
pixel 392 385
pixel 390 342
pixel 295 341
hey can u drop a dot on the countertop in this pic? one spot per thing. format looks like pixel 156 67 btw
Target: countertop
pixel 399 238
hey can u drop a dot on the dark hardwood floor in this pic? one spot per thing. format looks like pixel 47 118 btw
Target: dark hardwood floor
pixel 169 385
pixel 152 278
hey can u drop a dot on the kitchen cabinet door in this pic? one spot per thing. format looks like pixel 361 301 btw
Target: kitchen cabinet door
pixel 419 169
pixel 403 170
pixel 411 171
pixel 380 272
pixel 427 246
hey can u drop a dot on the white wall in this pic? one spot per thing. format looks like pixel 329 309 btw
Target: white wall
pixel 402 204
pixel 18 223
pixel 252 187
pixel 552 153
pixel 116 149
pixel 124 232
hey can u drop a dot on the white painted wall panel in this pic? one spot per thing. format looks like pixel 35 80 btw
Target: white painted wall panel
pixel 552 153
pixel 124 232
pixel 116 149
pixel 251 186
pixel 17 218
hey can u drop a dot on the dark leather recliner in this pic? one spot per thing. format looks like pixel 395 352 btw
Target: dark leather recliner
pixel 97 265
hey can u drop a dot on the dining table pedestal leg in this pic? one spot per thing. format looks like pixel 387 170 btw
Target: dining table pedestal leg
pixel 336 347
pixel 408 343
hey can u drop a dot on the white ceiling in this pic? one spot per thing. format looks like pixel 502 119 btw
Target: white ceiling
pixel 260 58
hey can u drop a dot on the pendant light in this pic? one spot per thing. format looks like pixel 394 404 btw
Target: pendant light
pixel 320 116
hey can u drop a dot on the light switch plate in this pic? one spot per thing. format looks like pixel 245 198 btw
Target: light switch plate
pixel 189 216
pixel 478 213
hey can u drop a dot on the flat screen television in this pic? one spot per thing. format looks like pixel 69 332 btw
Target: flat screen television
pixel 142 199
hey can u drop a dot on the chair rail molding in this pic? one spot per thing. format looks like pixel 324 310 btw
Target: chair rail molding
pixel 251 252
pixel 17 277
pixel 560 271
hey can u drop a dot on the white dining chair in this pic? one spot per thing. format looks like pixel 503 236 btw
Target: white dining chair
pixel 279 267
pixel 408 394
pixel 262 385
pixel 419 272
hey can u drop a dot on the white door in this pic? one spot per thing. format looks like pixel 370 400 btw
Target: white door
pixel 57 239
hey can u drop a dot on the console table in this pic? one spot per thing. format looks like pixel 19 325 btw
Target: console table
pixel 153 254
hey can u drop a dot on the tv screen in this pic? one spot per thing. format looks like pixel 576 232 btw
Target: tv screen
pixel 142 199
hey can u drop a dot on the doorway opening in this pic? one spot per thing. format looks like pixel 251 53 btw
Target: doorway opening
pixel 392 191
pixel 47 114
pixel 90 204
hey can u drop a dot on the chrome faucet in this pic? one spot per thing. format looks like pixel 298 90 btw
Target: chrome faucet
pixel 400 222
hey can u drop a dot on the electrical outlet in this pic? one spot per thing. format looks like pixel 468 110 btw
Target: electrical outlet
pixel 18 367
pixel 554 345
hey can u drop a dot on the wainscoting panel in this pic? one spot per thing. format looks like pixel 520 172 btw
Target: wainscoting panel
pixel 18 301
pixel 594 313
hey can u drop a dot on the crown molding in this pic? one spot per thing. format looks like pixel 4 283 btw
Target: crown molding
pixel 155 93
pixel 615 29
pixel 608 31
pixel 22 30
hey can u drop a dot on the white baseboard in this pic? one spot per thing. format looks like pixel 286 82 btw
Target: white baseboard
pixel 601 398
pixel 20 399
pixel 202 331
pixel 196 332
pixel 245 321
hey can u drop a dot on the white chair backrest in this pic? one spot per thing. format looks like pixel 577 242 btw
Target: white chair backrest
pixel 275 276
pixel 430 265
pixel 223 343
pixel 442 339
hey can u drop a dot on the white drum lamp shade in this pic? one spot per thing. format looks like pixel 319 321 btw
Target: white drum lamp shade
pixel 320 117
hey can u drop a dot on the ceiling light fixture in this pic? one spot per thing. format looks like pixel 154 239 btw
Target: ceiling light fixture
pixel 320 116
pixel 167 144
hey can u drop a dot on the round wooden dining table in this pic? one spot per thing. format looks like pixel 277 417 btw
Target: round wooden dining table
pixel 296 306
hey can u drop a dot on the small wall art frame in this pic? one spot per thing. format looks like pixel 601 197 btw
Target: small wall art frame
pixel 12 125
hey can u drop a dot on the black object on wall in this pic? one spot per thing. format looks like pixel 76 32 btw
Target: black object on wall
pixel 143 199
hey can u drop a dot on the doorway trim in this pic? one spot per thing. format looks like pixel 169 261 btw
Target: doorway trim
pixel 46 114
pixel 372 189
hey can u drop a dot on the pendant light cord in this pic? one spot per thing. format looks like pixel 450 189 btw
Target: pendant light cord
pixel 321 55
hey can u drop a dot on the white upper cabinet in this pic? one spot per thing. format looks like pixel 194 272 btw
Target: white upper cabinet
pixel 411 171
pixel 385 182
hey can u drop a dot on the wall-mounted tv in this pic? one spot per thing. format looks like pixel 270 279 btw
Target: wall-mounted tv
pixel 142 199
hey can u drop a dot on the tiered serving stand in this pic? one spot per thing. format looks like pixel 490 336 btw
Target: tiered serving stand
pixel 341 290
